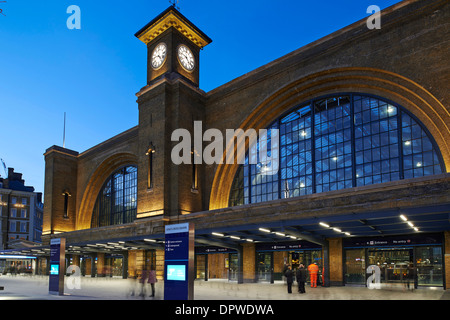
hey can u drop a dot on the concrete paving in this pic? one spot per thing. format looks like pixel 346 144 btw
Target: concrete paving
pixel 36 288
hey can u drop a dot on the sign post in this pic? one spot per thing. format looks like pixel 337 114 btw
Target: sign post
pixel 57 266
pixel 179 262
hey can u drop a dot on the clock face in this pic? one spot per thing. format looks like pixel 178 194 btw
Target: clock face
pixel 159 55
pixel 186 58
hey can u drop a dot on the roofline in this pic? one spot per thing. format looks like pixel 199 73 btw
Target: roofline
pixel 351 33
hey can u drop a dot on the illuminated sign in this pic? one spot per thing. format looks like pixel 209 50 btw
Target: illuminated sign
pixel 179 262
pixel 176 272
pixel 57 266
pixel 54 269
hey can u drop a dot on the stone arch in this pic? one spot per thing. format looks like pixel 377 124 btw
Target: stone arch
pixel 396 88
pixel 95 183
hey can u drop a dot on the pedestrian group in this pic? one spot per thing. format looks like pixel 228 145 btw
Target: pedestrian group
pixel 300 275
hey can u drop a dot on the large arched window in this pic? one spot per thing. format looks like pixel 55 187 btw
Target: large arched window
pixel 340 142
pixel 116 201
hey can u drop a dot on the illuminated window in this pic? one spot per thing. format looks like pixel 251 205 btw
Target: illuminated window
pixel 117 201
pixel 339 142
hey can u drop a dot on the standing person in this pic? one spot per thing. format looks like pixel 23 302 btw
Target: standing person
pixel 301 278
pixel 289 278
pixel 313 269
pixel 152 280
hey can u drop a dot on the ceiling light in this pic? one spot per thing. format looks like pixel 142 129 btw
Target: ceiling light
pixel 410 224
pixel 218 234
pixel 336 229
pixel 403 218
pixel 249 240
pixel 280 234
pixel 234 237
pixel 264 230
pixel 323 224
pixel 416 229
pixel 150 240
pixel 292 237
pixel 407 143
pixel 347 234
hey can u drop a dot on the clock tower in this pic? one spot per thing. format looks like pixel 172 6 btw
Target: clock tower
pixel 170 100
pixel 173 44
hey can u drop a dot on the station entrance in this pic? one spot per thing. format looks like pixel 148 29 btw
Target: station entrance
pixel 272 259
pixel 418 264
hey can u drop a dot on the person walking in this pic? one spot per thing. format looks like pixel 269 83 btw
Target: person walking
pixel 152 280
pixel 301 278
pixel 313 269
pixel 142 280
pixel 289 278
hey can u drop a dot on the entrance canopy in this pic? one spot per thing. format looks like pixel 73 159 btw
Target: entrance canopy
pixel 417 220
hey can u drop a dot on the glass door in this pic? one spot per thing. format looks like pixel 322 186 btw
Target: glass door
pixel 264 266
pixel 355 266
pixel 429 266
pixel 200 263
pixel 396 265
pixel 233 261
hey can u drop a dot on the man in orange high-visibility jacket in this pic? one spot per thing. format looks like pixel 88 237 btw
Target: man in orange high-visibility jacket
pixel 313 269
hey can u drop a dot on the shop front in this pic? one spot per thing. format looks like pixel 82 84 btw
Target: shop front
pixel 411 260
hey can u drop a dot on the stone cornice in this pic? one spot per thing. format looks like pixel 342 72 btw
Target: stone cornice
pixel 172 18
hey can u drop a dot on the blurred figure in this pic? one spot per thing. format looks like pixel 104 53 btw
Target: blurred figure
pixel 142 281
pixel 132 282
pixel 152 280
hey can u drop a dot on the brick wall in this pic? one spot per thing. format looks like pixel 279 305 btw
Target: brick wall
pixel 249 262
pixel 336 256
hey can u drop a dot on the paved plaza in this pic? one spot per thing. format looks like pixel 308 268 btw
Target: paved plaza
pixel 36 288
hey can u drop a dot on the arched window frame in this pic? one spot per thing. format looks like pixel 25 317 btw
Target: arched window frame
pixel 116 202
pixel 243 192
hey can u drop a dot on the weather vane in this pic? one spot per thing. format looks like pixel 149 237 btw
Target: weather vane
pixel 175 4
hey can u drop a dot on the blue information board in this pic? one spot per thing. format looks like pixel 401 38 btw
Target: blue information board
pixel 57 266
pixel 179 262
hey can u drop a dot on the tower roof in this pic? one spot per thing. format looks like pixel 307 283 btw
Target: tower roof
pixel 171 17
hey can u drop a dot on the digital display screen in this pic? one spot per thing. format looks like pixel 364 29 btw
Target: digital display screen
pixel 54 269
pixel 176 272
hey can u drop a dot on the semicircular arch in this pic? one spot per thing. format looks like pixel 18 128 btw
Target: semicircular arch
pixel 394 87
pixel 95 183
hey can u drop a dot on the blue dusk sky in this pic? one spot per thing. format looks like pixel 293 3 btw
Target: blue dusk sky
pixel 93 73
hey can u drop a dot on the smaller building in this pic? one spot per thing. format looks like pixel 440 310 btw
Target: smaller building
pixel 21 213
